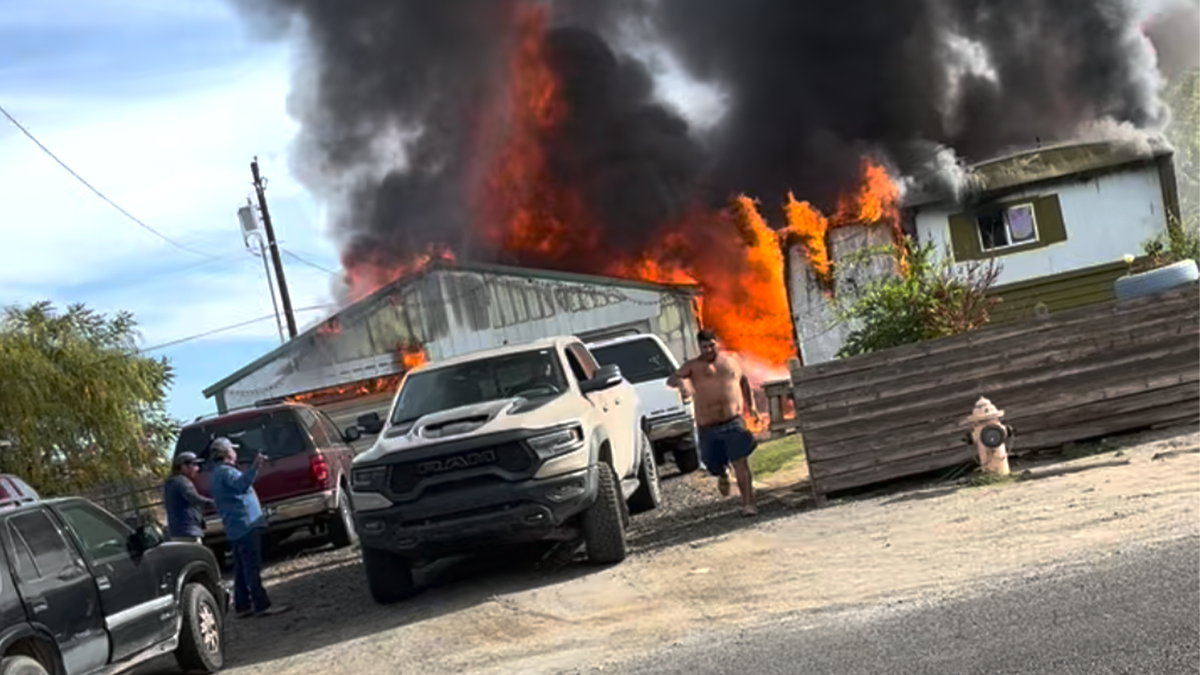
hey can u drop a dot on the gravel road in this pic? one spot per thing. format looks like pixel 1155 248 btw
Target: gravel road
pixel 697 566
pixel 1136 614
pixel 331 603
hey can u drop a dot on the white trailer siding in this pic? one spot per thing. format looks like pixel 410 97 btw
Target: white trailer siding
pixel 453 310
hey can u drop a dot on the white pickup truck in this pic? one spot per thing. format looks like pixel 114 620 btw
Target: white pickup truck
pixel 670 421
pixel 523 443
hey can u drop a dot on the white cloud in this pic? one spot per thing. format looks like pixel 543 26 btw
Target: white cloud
pixel 181 164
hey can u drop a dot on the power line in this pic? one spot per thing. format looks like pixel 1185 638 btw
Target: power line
pixel 311 264
pixel 100 194
pixel 222 329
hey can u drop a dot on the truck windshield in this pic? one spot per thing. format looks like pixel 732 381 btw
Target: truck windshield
pixel 640 360
pixel 275 434
pixel 532 374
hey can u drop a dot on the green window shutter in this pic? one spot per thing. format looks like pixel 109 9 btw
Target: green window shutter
pixel 964 238
pixel 1051 228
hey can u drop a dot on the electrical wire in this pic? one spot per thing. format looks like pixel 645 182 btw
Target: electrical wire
pixel 224 329
pixel 100 194
pixel 311 264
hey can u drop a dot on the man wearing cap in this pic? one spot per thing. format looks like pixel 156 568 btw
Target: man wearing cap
pixel 242 517
pixel 185 520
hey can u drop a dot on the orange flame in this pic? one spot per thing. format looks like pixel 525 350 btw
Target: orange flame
pixel 412 357
pixel 525 211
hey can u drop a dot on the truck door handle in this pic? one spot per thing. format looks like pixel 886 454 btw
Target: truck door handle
pixel 103 583
pixel 40 605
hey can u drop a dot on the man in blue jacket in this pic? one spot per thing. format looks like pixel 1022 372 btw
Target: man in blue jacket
pixel 242 517
pixel 185 520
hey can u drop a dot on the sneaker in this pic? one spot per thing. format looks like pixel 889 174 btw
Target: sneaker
pixel 723 485
pixel 272 611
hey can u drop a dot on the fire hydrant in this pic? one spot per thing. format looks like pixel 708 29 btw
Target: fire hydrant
pixel 989 435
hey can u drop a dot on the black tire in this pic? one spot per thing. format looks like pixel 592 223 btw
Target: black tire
pixel 660 455
pixel 648 496
pixel 389 577
pixel 687 460
pixel 341 528
pixel 202 635
pixel 22 665
pixel 603 522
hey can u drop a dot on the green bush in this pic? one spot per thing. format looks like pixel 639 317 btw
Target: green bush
pixel 933 298
pixel 1180 242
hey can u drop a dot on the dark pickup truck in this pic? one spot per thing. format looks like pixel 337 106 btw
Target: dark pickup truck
pixel 82 592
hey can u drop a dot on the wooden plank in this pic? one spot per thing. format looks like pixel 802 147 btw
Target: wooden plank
pixel 1182 300
pixel 990 368
pixel 887 447
pixel 934 461
pixel 1047 336
pixel 933 458
pixel 966 350
pixel 913 405
pixel 1110 425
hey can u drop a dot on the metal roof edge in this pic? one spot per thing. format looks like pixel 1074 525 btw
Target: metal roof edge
pixel 450 266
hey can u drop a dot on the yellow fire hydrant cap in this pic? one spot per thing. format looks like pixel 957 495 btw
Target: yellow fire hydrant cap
pixel 985 411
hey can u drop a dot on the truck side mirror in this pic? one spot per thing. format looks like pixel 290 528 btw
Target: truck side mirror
pixel 606 377
pixel 351 434
pixel 370 423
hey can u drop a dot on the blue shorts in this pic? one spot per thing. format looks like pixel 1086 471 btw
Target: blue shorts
pixel 724 443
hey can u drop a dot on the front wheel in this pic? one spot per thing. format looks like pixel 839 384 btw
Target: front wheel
pixel 201 644
pixel 341 530
pixel 603 522
pixel 649 493
pixel 389 577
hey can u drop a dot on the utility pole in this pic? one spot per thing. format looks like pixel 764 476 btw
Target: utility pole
pixel 261 189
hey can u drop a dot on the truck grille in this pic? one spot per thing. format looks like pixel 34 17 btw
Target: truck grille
pixel 510 458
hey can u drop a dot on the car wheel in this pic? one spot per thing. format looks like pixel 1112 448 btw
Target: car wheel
pixel 21 665
pixel 389 577
pixel 649 493
pixel 603 523
pixel 687 460
pixel 341 530
pixel 201 638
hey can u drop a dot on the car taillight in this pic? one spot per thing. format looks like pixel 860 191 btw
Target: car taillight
pixel 319 470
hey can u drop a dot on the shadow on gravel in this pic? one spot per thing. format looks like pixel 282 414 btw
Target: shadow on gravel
pixel 707 520
pixel 331 604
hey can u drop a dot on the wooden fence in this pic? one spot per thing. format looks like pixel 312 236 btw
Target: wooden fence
pixel 1070 376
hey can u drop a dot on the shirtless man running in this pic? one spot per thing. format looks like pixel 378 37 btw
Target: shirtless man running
pixel 721 391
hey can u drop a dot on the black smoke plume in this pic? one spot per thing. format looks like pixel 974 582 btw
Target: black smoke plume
pixel 814 85
pixel 391 95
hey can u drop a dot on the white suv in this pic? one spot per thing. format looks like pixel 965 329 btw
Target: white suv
pixel 523 443
pixel 670 421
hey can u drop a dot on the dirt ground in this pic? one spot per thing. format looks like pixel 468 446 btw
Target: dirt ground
pixel 699 567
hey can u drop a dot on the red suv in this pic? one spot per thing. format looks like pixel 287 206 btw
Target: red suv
pixel 304 484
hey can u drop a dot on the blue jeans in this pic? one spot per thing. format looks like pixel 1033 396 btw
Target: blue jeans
pixel 248 591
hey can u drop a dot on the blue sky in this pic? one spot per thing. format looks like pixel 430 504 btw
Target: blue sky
pixel 161 106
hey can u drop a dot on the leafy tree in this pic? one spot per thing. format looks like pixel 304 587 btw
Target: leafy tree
pixel 932 298
pixel 1182 239
pixel 78 406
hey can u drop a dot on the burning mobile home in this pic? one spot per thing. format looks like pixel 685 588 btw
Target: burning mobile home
pixel 351 363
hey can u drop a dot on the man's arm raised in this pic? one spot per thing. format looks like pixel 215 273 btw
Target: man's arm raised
pixel 677 378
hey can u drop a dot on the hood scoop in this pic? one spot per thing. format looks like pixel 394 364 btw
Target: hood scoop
pixel 461 421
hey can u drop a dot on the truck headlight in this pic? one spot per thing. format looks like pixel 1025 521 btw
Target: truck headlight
pixel 557 442
pixel 368 480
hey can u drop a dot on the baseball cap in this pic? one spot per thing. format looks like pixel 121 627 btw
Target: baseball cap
pixel 222 443
pixel 185 458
